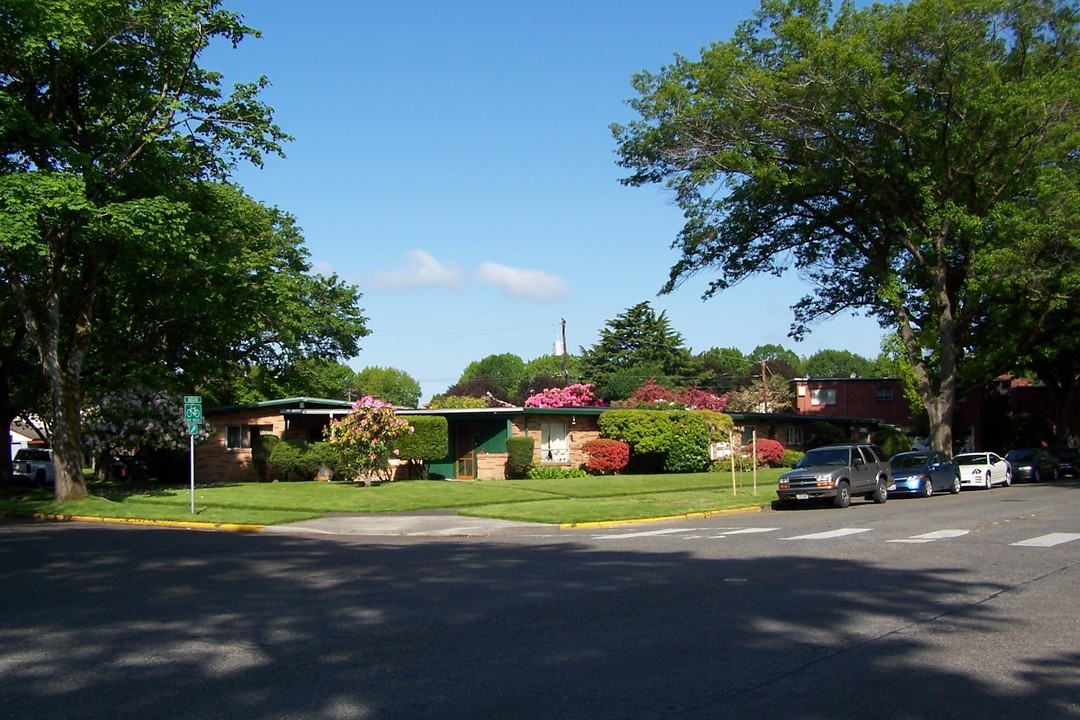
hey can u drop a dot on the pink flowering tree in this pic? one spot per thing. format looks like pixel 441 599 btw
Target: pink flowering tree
pixel 577 395
pixel 366 438
pixel 135 421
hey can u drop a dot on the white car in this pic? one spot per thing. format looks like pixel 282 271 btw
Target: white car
pixel 983 470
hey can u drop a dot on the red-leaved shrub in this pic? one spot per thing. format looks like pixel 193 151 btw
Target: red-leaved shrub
pixel 770 453
pixel 606 456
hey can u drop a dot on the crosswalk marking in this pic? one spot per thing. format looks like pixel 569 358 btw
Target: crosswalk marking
pixel 644 533
pixel 932 536
pixel 700 533
pixel 829 534
pixel 744 531
pixel 1048 540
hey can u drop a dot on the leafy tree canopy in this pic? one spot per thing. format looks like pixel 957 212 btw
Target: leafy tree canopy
pixel 910 160
pixel 394 386
pixel 113 140
pixel 506 369
pixel 837 364
pixel 637 345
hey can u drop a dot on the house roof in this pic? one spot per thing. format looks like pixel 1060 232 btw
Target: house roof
pixel 293 404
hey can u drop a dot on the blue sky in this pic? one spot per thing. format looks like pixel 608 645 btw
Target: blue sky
pixel 454 161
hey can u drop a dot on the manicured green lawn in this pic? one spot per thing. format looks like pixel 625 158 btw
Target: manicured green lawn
pixel 562 501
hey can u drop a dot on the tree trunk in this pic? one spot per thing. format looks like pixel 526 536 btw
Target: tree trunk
pixel 67 456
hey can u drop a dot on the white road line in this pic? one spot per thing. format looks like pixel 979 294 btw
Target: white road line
pixel 830 534
pixel 1048 540
pixel 644 533
pixel 744 531
pixel 932 536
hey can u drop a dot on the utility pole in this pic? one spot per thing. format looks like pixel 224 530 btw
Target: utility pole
pixel 765 386
pixel 565 356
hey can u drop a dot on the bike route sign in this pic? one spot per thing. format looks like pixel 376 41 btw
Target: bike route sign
pixel 193 413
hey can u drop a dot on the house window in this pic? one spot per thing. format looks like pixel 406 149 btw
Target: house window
pixel 823 396
pixel 884 393
pixel 554 447
pixel 794 435
pixel 242 437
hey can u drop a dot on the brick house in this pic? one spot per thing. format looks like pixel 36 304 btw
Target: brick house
pixel 478 438
pixel 226 455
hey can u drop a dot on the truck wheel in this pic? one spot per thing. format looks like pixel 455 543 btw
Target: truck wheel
pixel 843 495
pixel 881 493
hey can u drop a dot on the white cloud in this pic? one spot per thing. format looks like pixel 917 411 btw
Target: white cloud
pixel 423 269
pixel 531 284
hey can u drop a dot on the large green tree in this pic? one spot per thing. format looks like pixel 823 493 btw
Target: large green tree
pixel 105 116
pixel 897 155
pixel 505 369
pixel 394 386
pixel 637 345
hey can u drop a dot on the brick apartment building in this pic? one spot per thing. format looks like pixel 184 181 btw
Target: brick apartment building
pixel 992 418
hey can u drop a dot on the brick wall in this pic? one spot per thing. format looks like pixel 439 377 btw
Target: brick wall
pixel 215 463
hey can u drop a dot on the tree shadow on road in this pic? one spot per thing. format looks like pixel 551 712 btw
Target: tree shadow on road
pixel 131 623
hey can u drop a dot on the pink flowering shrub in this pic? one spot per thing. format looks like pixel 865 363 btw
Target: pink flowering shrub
pixel 576 395
pixel 652 395
pixel 366 438
pixel 770 453
pixel 698 399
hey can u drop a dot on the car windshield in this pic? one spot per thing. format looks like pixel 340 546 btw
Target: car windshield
pixel 912 460
pixel 824 456
pixel 971 459
pixel 31 454
pixel 1020 455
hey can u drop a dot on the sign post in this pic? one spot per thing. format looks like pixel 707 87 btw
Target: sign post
pixel 193 417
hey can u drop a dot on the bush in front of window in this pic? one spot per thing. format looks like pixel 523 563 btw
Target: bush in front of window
pixel 305 460
pixel 606 456
pixel 688 449
pixel 791 458
pixel 260 455
pixel 519 456
pixel 770 453
pixel 428 442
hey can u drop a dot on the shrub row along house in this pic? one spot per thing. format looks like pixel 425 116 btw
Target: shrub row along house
pixel 477 437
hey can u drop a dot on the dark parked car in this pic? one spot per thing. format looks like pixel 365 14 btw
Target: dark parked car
pixel 837 472
pixel 1032 464
pixel 1068 461
pixel 924 473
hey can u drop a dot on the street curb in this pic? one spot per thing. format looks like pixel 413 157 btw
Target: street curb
pixel 666 518
pixel 189 524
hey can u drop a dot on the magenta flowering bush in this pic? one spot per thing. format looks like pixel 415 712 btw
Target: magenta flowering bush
pixel 576 395
pixel 366 438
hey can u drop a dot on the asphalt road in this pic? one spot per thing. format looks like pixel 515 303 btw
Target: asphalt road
pixel 964 606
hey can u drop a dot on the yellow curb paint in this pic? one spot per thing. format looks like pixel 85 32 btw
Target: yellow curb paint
pixel 667 518
pixel 191 524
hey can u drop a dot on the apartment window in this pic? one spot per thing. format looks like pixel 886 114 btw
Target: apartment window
pixel 794 435
pixel 823 396
pixel 554 447
pixel 884 393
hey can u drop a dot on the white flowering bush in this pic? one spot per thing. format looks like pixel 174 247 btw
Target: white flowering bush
pixel 135 420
